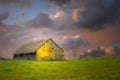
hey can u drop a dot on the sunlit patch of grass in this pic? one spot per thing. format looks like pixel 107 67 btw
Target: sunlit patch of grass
pixel 106 68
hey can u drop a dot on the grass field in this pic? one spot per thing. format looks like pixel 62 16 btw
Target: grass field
pixel 106 68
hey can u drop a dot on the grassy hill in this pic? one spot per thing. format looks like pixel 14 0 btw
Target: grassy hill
pixel 106 68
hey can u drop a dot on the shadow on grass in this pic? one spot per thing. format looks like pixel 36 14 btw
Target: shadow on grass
pixel 8 70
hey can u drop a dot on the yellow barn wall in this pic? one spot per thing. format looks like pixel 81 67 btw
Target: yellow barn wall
pixel 49 51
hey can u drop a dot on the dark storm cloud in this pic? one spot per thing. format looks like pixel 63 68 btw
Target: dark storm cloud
pixel 58 21
pixel 59 2
pixel 97 14
pixel 101 51
pixel 3 16
pixel 73 46
pixel 92 14
pixel 97 52
pixel 73 43
pixel 21 3
pixel 41 20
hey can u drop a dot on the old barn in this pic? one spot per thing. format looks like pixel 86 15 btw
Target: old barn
pixel 40 50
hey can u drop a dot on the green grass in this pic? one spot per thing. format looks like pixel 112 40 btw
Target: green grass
pixel 106 68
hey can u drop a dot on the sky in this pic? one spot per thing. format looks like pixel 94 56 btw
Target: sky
pixel 75 25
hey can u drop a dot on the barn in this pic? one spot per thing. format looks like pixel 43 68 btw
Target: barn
pixel 40 50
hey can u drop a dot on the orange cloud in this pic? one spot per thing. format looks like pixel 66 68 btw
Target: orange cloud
pixel 3 29
pixel 75 14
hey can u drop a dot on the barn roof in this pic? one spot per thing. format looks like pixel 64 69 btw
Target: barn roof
pixel 56 44
pixel 32 47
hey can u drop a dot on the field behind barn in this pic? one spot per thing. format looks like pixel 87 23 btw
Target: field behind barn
pixel 106 68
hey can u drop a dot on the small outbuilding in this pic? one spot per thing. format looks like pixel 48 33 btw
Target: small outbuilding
pixel 40 50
